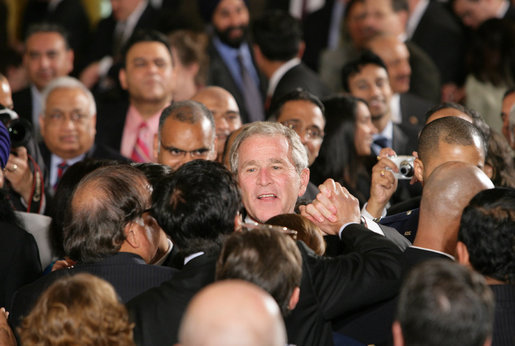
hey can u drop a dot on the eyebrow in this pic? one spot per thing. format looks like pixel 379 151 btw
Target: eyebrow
pixel 171 147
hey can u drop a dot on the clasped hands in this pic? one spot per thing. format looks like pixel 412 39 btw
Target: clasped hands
pixel 333 207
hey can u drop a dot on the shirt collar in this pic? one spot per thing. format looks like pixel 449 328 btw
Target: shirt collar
pixel 279 73
pixel 503 9
pixel 435 251
pixel 415 17
pixel 192 256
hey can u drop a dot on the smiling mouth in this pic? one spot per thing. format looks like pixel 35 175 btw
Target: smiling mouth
pixel 267 195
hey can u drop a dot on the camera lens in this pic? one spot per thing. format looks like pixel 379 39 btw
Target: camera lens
pixel 19 132
pixel 406 169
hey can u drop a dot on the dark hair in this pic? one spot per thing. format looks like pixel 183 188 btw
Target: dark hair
pixel 307 231
pixel 355 66
pixel 474 115
pixel 338 158
pixel 196 206
pixel 508 92
pixel 264 257
pixel 63 195
pixel 298 94
pixel 487 228
pixel 491 54
pixel 188 112
pixel 94 228
pixel 451 130
pixel 444 303
pixel 500 158
pixel 142 35
pixel 154 172
pixel 278 35
pixel 48 28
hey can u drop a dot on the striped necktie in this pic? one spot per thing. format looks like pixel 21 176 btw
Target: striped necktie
pixel 141 151
pixel 61 168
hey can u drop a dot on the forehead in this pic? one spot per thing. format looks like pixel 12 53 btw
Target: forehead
pixel 66 97
pixel 369 72
pixel 226 5
pixel 45 40
pixel 383 6
pixel 185 135
pixel 264 148
pixel 302 110
pixel 149 50
pixel 219 101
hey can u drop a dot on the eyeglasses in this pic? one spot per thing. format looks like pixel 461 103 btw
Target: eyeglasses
pixel 312 132
pixel 59 117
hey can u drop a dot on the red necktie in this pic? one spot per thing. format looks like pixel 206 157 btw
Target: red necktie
pixel 60 171
pixel 141 152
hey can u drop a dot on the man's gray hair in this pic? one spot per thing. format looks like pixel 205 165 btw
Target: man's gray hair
pixel 67 82
pixel 265 128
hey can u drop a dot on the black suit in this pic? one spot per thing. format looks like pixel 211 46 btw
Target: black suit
pixel 413 109
pixel 127 272
pixel 220 75
pixel 333 287
pixel 22 101
pixel 425 77
pixel 111 117
pixel 19 260
pixel 300 76
pixel 157 313
pixel 441 36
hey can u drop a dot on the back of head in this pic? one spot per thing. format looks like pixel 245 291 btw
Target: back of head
pixel 78 310
pixel 197 206
pixel 190 49
pixel 443 303
pixel 103 203
pixel 448 190
pixel 232 312
pixel 488 230
pixel 355 66
pixel 278 35
pixel 307 231
pixel 450 130
pixel 266 258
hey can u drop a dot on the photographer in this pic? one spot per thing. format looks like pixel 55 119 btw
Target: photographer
pixel 23 171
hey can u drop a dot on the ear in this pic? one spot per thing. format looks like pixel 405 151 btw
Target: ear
pixel 156 147
pixel 419 170
pixel 463 254
pixel 489 170
pixel 212 153
pixel 304 180
pixel 398 339
pixel 238 222
pixel 130 235
pixel 94 123
pixel 70 55
pixel 302 48
pixel 294 299
pixel 122 76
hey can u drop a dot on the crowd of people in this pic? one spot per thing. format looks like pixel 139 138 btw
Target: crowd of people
pixel 337 172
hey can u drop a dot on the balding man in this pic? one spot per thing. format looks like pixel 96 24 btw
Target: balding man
pixel 109 231
pixel 225 112
pixel 405 106
pixel 186 133
pixel 232 312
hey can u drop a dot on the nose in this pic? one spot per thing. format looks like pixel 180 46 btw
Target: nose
pixel 372 129
pixel 263 177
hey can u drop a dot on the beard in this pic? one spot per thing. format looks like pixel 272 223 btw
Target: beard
pixel 231 41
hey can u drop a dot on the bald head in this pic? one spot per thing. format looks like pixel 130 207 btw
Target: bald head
pixel 6 99
pixel 232 312
pixel 395 55
pixel 225 112
pixel 446 193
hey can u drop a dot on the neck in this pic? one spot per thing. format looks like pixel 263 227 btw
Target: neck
pixel 381 123
pixel 434 239
pixel 492 281
pixel 149 109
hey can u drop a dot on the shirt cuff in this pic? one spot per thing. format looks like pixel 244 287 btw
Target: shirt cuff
pixel 368 216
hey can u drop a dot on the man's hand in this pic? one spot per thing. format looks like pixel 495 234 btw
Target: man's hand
pixel 383 183
pixel 6 333
pixel 19 174
pixel 333 208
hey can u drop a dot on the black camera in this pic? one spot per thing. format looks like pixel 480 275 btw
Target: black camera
pixel 20 130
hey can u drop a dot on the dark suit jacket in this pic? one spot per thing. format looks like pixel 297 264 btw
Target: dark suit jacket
pixel 19 260
pixel 157 313
pixel 300 76
pixel 111 117
pixel 220 75
pixel 333 287
pixel 127 272
pixel 413 110
pixel 406 223
pixel 22 101
pixel 441 36
pixel 504 333
pixel 425 77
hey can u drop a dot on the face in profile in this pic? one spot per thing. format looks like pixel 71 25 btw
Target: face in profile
pixel 268 179
pixel 183 142
pixel 67 125
pixel 307 120
pixel 363 136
